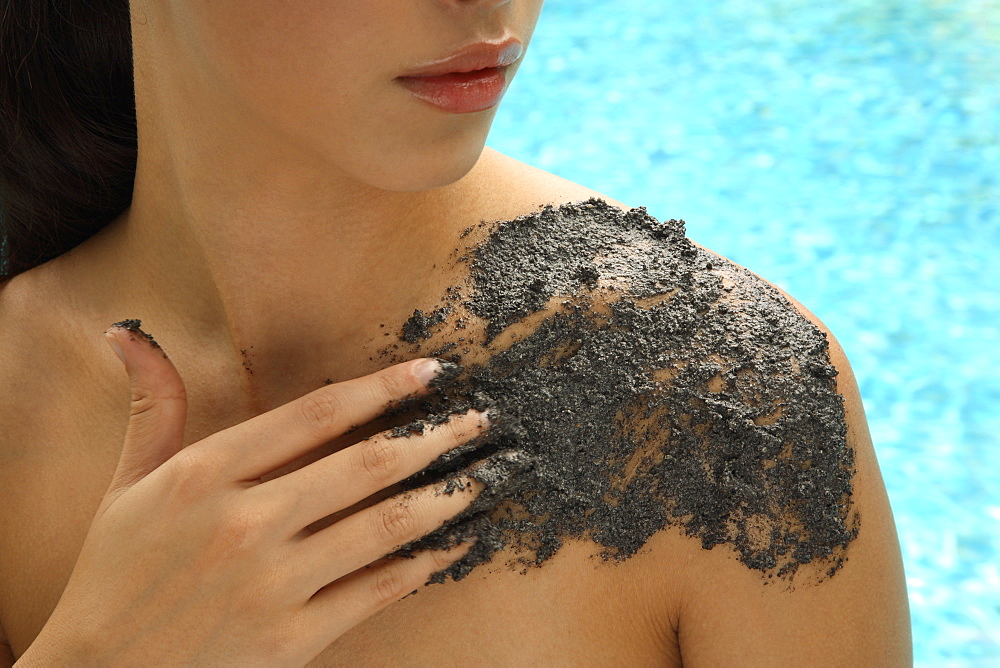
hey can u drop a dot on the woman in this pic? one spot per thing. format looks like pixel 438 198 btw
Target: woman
pixel 301 190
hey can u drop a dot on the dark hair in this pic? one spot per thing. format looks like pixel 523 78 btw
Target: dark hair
pixel 67 125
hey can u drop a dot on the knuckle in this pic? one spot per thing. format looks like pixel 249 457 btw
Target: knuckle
pixel 396 522
pixel 192 471
pixel 394 384
pixel 381 459
pixel 389 583
pixel 321 411
pixel 145 400
pixel 243 528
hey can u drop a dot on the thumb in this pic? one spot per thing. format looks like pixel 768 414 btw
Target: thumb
pixel 158 407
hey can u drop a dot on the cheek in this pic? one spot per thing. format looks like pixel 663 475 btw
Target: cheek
pixel 263 51
pixel 318 78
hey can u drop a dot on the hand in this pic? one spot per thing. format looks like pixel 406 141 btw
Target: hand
pixel 191 559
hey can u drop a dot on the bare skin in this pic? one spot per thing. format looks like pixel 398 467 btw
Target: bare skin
pixel 296 250
pixel 673 599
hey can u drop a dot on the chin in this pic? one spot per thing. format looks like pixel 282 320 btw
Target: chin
pixel 429 171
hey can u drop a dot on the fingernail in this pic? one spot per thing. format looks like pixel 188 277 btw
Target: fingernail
pixel 485 419
pixel 134 325
pixel 115 346
pixel 427 370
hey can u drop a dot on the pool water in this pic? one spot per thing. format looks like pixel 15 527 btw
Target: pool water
pixel 850 153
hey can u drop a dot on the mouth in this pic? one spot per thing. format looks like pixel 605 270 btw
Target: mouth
pixel 463 76
pixel 472 79
pixel 475 57
pixel 460 92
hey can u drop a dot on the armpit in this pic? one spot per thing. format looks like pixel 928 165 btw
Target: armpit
pixel 657 385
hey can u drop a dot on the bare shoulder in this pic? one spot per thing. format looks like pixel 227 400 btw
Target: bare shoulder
pixel 49 381
pixel 509 188
pixel 33 355
pixel 31 386
pixel 17 413
pixel 24 356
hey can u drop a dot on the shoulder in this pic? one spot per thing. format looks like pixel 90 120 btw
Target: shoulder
pixel 17 355
pixel 52 375
pixel 41 416
pixel 718 422
pixel 21 408
pixel 676 408
pixel 33 356
pixel 845 383
pixel 794 547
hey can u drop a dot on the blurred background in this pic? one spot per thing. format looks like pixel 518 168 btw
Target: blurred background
pixel 850 153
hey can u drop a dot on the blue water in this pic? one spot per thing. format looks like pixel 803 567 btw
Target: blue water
pixel 850 153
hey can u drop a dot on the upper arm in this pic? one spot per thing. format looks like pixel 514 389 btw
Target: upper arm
pixel 729 614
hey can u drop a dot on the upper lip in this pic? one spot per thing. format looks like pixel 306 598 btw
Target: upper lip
pixel 476 56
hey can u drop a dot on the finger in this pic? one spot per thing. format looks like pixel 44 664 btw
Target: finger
pixel 337 607
pixel 158 407
pixel 275 438
pixel 374 532
pixel 347 476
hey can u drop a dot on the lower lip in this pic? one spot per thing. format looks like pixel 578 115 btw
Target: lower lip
pixel 461 92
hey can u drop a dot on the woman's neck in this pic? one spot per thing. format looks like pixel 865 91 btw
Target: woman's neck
pixel 286 275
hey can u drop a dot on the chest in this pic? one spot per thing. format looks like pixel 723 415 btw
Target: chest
pixel 575 609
